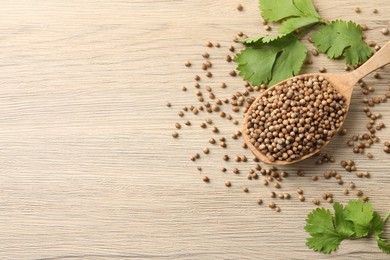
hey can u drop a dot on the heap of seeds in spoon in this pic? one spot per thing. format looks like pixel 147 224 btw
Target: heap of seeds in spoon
pixel 295 118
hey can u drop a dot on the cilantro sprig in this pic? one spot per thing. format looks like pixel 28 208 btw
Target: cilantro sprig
pixel 356 220
pixel 270 59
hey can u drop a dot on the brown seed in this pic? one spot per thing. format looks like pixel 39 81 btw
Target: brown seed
pixel 209 74
pixel 168 104
pixel 236 171
pixel 245 189
pixel 385 31
pixel 206 179
pixel 267 28
pixel 209 44
pixel 197 78
pixel 237 159
pixel 205 55
pixel 212 141
pixel 359 193
pixel 215 130
pixel 228 183
pixel 187 123
pixel 330 200
pixel 184 88
pixel 300 191
pixel 358 10
pixel 314 52
pixel 226 157
pixel 366 174
pixel 223 169
pixel 175 134
pixel 301 198
pixel 217 44
pixel 199 168
pixel 197 156
pixel 260 201
pixel 287 196
pixel 187 64
pixel 264 182
pixel 375 11
pixel 322 69
pixel 206 150
pixel 359 174
pixel 278 209
pixel 231 48
pixel 203 125
pixel 364 198
pixel 370 156
pixel 177 125
pixel 277 185
pixel 314 178
pixel 239 7
pixel 272 205
pixel 180 113
pixel 228 58
pixel 233 73
pixel 316 202
pixel 345 191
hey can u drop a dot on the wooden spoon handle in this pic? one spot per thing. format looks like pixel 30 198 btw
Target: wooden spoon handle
pixel 380 59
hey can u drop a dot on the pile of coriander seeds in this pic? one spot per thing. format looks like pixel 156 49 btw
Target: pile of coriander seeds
pixel 295 118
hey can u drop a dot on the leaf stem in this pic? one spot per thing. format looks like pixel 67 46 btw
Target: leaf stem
pixel 387 217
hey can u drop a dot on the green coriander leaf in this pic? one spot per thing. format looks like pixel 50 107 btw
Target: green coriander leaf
pixel 324 237
pixel 275 11
pixel 271 59
pixel 296 23
pixel 376 225
pixel 325 243
pixel 319 221
pixel 342 39
pixel 360 214
pixel 383 245
pixel 344 227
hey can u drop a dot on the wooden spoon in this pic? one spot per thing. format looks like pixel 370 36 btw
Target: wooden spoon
pixel 343 83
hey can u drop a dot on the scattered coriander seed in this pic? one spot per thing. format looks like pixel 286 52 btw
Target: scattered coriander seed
pixel 226 157
pixel 345 191
pixel 358 10
pixel 187 123
pixel 322 69
pixel 377 47
pixel 278 209
pixel 366 174
pixel 212 141
pixel 197 78
pixel 217 44
pixel 277 185
pixel 272 205
pixel 209 74
pixel 300 191
pixel 228 183
pixel 287 196
pixel 199 168
pixel 206 150
pixel 272 194
pixel 184 88
pixel 223 169
pixel 205 55
pixel 197 155
pixel 314 52
pixel 244 158
pixel 206 179
pixel 260 201
pixel 187 64
pixel 168 104
pixel 359 193
pixel 177 125
pixel 233 73
pixel 330 200
pixel 236 171
pixel 280 196
pixel 203 125
pixel 264 182
pixel 314 178
pixel 215 130
pixel 316 202
pixel 240 7
pixel 375 11
pixel 370 156
pixel 175 134
pixel 231 48
pixel 209 44
pixel 301 198
pixel 267 28
pixel 364 198
pixel 235 122
pixel 180 113
pixel 237 158
pixel 359 174
pixel 245 189
pixel 228 58
pixel 385 31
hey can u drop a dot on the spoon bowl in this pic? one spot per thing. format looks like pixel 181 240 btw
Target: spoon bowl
pixel 343 83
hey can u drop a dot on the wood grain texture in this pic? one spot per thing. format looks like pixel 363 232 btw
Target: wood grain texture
pixel 88 167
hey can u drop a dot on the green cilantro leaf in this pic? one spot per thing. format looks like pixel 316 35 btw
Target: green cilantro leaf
pixel 324 236
pixel 342 39
pixel 344 227
pixel 294 13
pixel 376 225
pixel 360 214
pixel 270 60
pixel 325 243
pixel 383 245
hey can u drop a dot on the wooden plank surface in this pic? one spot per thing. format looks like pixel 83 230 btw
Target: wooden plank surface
pixel 88 167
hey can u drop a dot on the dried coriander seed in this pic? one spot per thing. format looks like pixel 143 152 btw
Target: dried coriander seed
pixel 228 183
pixel 175 134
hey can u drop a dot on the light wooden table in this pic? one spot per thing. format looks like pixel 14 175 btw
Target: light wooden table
pixel 88 167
